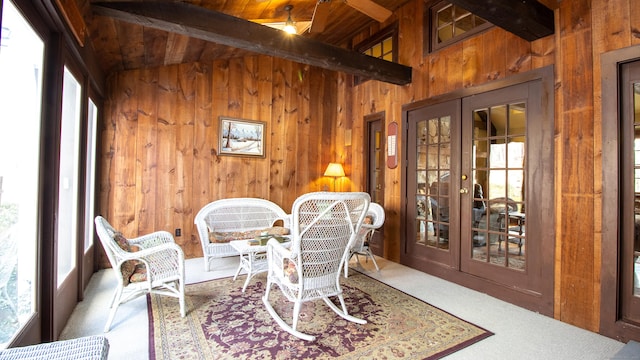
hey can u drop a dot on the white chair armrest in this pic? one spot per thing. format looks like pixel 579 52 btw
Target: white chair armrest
pixel 152 240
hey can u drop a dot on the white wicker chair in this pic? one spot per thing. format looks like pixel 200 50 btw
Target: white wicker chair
pixel 163 271
pixel 365 235
pixel 323 228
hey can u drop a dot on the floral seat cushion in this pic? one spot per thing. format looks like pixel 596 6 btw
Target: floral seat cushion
pixel 128 267
pixel 224 237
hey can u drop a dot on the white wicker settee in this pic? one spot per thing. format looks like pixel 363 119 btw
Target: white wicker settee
pixel 224 220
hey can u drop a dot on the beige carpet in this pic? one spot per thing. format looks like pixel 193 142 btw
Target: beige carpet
pixel 224 323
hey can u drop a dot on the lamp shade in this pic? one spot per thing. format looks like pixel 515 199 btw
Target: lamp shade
pixel 335 170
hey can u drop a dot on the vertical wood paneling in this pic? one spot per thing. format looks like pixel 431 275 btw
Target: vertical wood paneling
pixel 445 70
pixel 473 65
pixel 185 98
pixel 124 160
pixel 278 135
pixel 302 177
pixel 235 168
pixel 634 18
pixel 166 155
pixel 495 63
pixel 204 140
pixel 577 163
pixel 316 116
pixel 290 139
pixel 220 106
pixel 543 52
pixel 328 153
pixel 250 108
pixel 518 57
pixel 147 146
pixel 265 102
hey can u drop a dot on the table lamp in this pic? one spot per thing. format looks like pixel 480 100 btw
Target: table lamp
pixel 334 170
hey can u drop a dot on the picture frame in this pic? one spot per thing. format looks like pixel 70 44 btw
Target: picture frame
pixel 240 137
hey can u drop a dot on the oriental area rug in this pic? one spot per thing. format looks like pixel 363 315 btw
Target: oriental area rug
pixel 222 322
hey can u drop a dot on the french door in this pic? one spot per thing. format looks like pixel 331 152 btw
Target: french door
pixel 375 161
pixel 630 194
pixel 477 203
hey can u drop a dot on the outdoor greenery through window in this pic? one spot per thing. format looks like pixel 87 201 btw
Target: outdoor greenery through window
pixel 451 23
pixel 21 64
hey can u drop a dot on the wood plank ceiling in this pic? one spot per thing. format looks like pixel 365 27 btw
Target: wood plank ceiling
pixel 124 40
pixel 123 45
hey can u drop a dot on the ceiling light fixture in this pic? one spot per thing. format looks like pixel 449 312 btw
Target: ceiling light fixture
pixel 289 26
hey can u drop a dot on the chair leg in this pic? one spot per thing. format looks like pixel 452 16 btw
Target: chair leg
pixel 370 254
pixel 286 327
pixel 114 307
pixel 343 312
pixel 207 263
pixel 183 310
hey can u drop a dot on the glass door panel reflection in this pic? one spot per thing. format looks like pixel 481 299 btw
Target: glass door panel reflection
pixel 433 165
pixel 498 211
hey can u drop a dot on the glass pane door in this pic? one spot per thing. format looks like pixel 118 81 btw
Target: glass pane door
pixel 21 64
pixel 433 168
pixel 375 176
pixel 68 185
pixel 630 194
pixel 498 226
pixel 432 175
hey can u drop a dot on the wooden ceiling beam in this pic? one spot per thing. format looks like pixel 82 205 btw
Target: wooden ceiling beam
pixel 527 19
pixel 220 28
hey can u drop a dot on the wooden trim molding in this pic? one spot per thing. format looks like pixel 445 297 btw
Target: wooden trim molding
pixel 74 19
pixel 611 324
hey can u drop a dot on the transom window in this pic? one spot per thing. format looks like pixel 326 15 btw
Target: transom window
pixel 450 23
pixel 381 50
pixel 382 45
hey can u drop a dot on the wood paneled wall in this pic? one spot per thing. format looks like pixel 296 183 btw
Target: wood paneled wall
pixel 584 30
pixel 472 62
pixel 159 140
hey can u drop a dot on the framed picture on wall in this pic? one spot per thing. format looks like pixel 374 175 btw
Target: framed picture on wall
pixel 239 137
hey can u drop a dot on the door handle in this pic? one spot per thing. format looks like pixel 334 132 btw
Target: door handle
pixel 464 191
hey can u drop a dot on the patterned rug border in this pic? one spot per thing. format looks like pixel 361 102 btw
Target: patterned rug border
pixel 450 350
pixel 486 333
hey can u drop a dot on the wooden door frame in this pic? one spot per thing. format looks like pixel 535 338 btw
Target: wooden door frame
pixel 610 322
pixel 542 302
pixel 368 119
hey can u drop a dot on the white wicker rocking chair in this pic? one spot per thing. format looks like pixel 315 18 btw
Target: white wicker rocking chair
pixel 365 235
pixel 323 228
pixel 158 266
